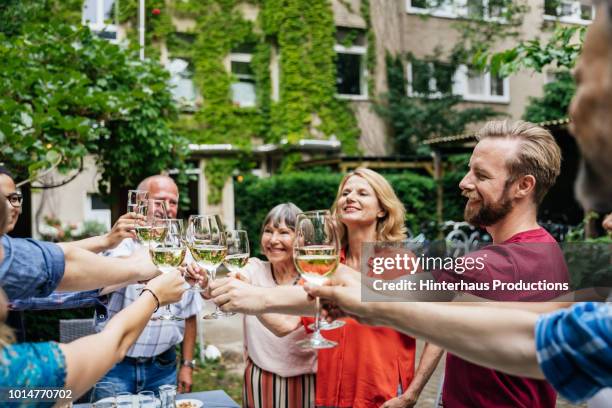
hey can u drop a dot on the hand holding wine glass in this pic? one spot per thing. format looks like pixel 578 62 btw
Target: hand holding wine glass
pixel 168 287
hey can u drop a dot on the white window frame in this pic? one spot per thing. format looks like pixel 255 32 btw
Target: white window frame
pixel 186 104
pixel 100 25
pixel 433 86
pixel 356 50
pixel 245 58
pixel 460 86
pixel 456 9
pixel 575 17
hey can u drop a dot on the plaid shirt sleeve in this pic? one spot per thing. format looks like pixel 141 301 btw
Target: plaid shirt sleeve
pixel 574 349
pixel 59 300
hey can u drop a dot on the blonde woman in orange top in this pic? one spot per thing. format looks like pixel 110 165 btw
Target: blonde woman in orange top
pixel 371 366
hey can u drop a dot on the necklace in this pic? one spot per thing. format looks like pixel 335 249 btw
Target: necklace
pixel 297 278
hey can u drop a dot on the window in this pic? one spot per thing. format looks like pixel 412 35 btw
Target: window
pixel 437 8
pixel 492 10
pixel 181 81
pixel 429 78
pixel 99 15
pixel 434 79
pixel 351 78
pixel 243 88
pixel 97 210
pixel 480 86
pixel 568 11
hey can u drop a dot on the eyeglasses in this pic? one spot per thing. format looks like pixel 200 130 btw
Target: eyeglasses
pixel 15 199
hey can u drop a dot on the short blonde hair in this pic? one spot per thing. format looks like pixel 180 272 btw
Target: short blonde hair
pixel 390 227
pixel 538 155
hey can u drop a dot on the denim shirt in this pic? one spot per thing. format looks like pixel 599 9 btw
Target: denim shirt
pixel 30 267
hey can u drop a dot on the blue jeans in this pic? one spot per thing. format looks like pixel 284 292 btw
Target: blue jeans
pixel 133 377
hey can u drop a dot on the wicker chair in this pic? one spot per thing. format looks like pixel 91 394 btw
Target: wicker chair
pixel 73 329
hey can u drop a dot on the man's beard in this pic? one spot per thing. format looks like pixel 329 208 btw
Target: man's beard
pixel 489 214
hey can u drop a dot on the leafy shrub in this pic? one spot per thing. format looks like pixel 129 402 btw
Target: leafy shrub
pixel 310 191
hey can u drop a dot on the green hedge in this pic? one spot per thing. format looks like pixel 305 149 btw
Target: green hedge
pixel 254 197
pixel 43 325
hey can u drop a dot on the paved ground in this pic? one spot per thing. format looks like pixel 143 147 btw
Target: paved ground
pixel 226 334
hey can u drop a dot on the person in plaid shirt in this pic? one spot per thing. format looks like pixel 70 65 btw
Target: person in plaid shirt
pixel 151 361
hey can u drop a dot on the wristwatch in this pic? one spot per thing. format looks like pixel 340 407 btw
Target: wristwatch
pixel 188 363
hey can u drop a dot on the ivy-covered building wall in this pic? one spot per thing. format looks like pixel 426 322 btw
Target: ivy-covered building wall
pixel 253 73
pixel 259 72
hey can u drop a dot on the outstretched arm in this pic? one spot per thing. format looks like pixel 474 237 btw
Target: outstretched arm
pixel 499 338
pixel 85 270
pixel 234 295
pixel 84 367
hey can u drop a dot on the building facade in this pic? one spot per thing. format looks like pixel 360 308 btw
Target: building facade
pixel 365 32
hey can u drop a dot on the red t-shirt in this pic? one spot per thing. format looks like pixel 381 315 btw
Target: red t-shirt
pixel 469 385
pixel 366 367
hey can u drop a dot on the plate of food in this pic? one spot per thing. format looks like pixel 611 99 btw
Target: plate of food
pixel 189 403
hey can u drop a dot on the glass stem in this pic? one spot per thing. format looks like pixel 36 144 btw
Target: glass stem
pixel 213 276
pixel 317 314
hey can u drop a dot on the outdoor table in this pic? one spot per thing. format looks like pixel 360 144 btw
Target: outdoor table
pixel 212 399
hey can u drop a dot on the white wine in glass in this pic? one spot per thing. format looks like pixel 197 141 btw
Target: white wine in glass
pixel 208 256
pixel 315 254
pixel 236 262
pixel 238 252
pixel 167 258
pixel 206 240
pixel 316 262
pixel 168 254
pixel 154 228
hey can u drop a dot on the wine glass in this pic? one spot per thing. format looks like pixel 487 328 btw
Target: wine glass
pixel 154 229
pixel 147 399
pixel 315 254
pixel 135 197
pixel 168 254
pixel 206 242
pixel 103 395
pixel 323 323
pixel 125 400
pixel 237 255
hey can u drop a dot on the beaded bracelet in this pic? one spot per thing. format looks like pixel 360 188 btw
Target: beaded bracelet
pixel 154 296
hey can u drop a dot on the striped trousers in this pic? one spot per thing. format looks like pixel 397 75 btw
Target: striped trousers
pixel 263 389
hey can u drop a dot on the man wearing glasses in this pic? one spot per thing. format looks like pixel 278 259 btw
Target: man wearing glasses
pixel 13 197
